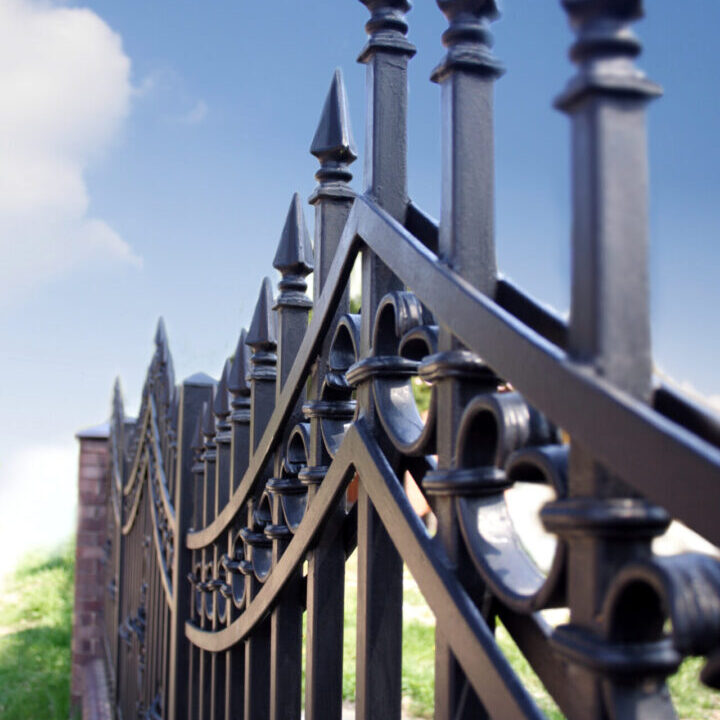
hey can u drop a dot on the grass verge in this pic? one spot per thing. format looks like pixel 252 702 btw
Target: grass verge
pixel 36 627
pixel 35 633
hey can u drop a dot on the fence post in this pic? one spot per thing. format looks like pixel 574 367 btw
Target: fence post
pixel 334 147
pixel 466 243
pixel 239 458
pixel 194 392
pixel 610 333
pixel 294 260
pixel 262 338
pixel 379 638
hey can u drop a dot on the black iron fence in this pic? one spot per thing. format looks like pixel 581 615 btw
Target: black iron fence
pixel 230 522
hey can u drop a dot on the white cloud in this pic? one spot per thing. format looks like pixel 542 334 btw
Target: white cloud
pixel 196 114
pixel 64 92
pixel 42 513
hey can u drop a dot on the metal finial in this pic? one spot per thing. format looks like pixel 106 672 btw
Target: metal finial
pixel 604 38
pixel 118 406
pixel 262 334
pixel 221 405
pixel 333 139
pixel 294 255
pixel 117 392
pixel 237 381
pixel 584 10
pixel 160 333
pixel 208 424
pixel 198 442
pixel 468 38
pixel 387 28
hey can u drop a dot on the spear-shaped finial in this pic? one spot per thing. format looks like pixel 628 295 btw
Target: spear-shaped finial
pixel 333 145
pixel 263 328
pixel 197 438
pixel 333 139
pixel 117 395
pixel 208 423
pixel 237 381
pixel 294 255
pixel 468 38
pixel 221 406
pixel 160 333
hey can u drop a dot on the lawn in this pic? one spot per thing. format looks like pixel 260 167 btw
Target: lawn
pixel 35 632
pixel 36 612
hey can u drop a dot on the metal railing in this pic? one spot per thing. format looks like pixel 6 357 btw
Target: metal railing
pixel 229 519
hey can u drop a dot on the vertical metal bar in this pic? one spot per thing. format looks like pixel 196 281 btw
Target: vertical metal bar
pixel 118 539
pixel 262 338
pixel 194 392
pixel 334 147
pixel 466 243
pixel 294 260
pixel 207 658
pixel 239 458
pixel 222 489
pixel 609 319
pixel 379 639
pixel 198 471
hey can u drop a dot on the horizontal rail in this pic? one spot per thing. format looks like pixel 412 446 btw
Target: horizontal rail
pixel 649 451
pixel 475 647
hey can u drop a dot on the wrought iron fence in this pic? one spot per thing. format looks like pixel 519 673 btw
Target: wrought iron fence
pixel 229 515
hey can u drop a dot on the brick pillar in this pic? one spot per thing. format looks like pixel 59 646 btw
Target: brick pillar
pixel 88 628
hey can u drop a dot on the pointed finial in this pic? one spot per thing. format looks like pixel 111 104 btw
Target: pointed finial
pixel 198 443
pixel 221 406
pixel 333 145
pixel 604 51
pixel 468 38
pixel 117 393
pixel 161 340
pixel 263 329
pixel 333 138
pixel 387 28
pixel 294 255
pixel 160 332
pixel 237 382
pixel 208 424
pixel 118 406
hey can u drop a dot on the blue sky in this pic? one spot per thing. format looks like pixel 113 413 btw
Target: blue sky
pixel 154 151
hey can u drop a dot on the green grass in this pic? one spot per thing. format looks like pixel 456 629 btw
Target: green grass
pixel 35 631
pixel 36 612
pixel 692 700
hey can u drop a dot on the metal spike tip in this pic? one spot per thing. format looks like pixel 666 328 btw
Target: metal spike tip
pixel 237 381
pixel 294 254
pixel 161 333
pixel 208 426
pixel 263 328
pixel 197 443
pixel 221 406
pixel 333 138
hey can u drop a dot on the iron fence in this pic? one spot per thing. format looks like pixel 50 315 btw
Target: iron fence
pixel 229 518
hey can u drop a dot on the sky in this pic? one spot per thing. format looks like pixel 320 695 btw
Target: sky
pixel 149 151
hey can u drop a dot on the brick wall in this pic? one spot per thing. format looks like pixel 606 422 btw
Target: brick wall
pixel 87 643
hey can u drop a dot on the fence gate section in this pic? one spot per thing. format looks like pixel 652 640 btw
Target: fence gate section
pixel 230 520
